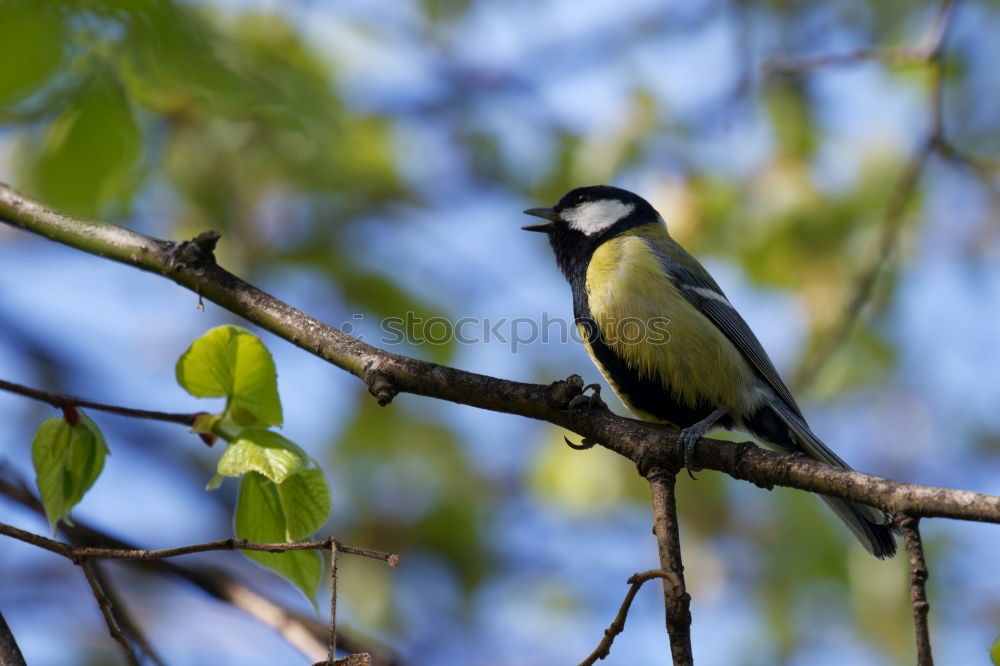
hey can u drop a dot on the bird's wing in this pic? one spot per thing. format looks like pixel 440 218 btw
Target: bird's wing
pixel 701 291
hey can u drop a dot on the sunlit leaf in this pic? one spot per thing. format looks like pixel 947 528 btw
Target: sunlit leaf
pixel 231 362
pixel 262 451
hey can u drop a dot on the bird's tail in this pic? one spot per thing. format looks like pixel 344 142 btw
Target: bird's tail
pixel 872 527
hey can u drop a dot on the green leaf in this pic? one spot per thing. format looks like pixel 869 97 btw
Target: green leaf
pixel 259 450
pixel 231 362
pixel 995 652
pixel 260 517
pixel 34 38
pixel 305 501
pixel 68 459
pixel 91 152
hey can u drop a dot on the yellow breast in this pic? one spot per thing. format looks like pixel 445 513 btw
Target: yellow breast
pixel 647 322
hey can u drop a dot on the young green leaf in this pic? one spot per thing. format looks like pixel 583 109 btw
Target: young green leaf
pixel 231 362
pixel 259 450
pixel 260 517
pixel 68 459
pixel 305 501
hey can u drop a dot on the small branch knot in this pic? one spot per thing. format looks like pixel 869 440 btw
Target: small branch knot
pixel 199 250
pixel 381 386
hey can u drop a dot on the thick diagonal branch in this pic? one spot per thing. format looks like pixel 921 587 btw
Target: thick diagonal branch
pixel 192 265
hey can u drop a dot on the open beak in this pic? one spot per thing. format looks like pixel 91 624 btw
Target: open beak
pixel 547 213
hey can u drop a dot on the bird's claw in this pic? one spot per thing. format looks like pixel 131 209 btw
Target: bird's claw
pixel 588 401
pixel 584 401
pixel 688 438
pixel 582 446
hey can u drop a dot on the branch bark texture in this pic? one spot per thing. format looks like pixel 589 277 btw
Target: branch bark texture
pixel 10 653
pixel 192 265
pixel 910 526
pixel 676 600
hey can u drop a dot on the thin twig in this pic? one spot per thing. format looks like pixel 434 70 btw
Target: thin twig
pixel 790 64
pixel 892 218
pixel 10 653
pixel 676 600
pixel 928 50
pixel 982 166
pixel 128 625
pixel 82 553
pixel 333 602
pixel 902 193
pixel 108 613
pixel 62 400
pixel 636 581
pixel 303 632
pixel 910 526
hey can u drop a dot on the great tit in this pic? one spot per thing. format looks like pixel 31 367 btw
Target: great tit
pixel 670 343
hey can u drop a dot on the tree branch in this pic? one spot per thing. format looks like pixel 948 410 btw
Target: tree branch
pixel 929 53
pixel 676 600
pixel 10 653
pixel 109 616
pixel 927 50
pixel 603 648
pixel 192 265
pixel 332 645
pixel 784 64
pixel 80 553
pixel 910 526
pixel 303 632
pixel 864 286
pixel 61 400
pixel 129 626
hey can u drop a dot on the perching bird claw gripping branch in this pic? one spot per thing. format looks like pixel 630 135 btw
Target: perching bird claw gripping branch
pixel 401 374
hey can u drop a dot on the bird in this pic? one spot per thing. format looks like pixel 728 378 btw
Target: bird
pixel 671 345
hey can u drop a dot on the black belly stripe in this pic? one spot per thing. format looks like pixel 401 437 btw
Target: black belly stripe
pixel 646 393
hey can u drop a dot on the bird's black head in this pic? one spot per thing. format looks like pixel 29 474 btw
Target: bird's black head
pixel 586 217
pixel 597 211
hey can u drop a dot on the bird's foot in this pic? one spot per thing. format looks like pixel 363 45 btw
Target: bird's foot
pixel 688 438
pixel 584 401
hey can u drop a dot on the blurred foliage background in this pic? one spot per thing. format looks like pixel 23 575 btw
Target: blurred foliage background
pixel 369 158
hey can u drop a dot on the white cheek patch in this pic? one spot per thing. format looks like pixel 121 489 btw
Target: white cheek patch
pixel 593 217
